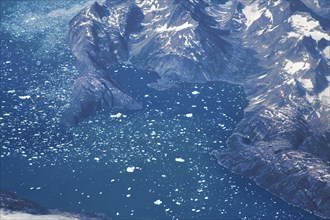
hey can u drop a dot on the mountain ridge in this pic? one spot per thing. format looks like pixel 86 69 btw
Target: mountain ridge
pixel 277 50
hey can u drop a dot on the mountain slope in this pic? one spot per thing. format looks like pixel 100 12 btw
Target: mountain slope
pixel 278 50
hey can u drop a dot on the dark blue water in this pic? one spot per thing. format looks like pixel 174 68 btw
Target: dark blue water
pixel 153 163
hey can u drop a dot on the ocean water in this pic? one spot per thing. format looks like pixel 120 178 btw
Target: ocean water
pixel 153 163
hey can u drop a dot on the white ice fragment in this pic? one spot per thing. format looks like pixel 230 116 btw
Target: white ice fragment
pixel 118 115
pixel 179 159
pixel 97 159
pixel 263 76
pixel 24 97
pixel 158 202
pixel 189 115
pixel 195 93
pixel 130 169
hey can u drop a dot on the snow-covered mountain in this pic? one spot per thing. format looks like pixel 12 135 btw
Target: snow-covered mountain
pixel 15 208
pixel 279 51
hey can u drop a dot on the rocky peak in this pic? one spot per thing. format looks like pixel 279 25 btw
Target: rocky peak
pixel 278 50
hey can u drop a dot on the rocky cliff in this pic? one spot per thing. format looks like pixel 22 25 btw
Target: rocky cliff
pixel 278 50
pixel 13 207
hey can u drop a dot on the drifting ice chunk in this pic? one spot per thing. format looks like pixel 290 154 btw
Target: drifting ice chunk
pixel 158 202
pixel 118 115
pixel 24 97
pixel 195 93
pixel 130 169
pixel 180 160
pixel 189 115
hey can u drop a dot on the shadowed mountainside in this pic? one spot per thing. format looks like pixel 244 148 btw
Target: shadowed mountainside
pixel 277 50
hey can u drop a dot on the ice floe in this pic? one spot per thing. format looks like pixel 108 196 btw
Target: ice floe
pixel 179 159
pixel 158 202
pixel 130 169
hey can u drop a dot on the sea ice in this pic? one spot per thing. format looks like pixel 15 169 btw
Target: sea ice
pixel 158 202
pixel 180 160
pixel 24 97
pixel 130 169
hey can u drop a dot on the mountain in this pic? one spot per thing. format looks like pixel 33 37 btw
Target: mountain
pixel 279 51
pixel 13 207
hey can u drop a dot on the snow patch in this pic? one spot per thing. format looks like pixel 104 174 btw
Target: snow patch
pixel 307 26
pixel 252 13
pixel 307 83
pixel 23 216
pixel 324 96
pixel 114 19
pixel 291 67
pixel 165 28
pixel 263 76
pixel 269 15
pixel 326 52
pixel 294 35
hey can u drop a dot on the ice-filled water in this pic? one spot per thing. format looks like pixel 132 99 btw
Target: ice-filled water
pixel 152 163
